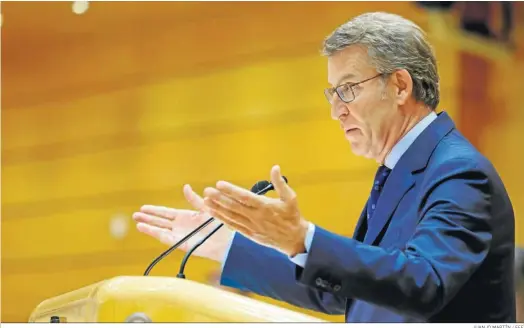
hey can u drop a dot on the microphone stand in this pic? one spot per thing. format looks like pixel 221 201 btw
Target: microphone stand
pixel 175 246
pixel 260 188
pixel 194 248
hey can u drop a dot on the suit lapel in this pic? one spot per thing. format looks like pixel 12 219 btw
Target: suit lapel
pixel 401 179
pixel 361 227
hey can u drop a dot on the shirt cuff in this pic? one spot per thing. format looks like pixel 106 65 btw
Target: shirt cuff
pixel 301 258
pixel 227 251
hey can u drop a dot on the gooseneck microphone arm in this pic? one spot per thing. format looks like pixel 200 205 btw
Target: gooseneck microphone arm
pixel 262 187
pixel 175 246
pixel 194 248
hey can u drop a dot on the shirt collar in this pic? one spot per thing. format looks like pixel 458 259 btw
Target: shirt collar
pixel 400 148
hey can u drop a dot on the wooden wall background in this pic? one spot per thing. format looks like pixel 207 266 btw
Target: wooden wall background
pixel 121 106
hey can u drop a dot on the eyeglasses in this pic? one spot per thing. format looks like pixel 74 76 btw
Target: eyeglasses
pixel 345 91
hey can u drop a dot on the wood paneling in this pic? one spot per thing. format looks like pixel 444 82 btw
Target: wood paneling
pixel 75 228
pixel 476 109
pixel 119 107
pixel 109 54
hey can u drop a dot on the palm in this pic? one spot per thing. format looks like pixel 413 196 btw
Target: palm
pixel 170 225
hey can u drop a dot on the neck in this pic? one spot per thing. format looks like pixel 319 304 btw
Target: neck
pixel 400 130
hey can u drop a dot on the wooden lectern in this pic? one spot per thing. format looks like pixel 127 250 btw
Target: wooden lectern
pixel 159 299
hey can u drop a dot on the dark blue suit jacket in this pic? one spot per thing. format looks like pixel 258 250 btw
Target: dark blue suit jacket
pixel 440 246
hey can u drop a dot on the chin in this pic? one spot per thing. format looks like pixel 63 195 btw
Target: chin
pixel 358 150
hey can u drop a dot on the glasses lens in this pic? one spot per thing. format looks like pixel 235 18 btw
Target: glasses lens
pixel 345 92
pixel 329 94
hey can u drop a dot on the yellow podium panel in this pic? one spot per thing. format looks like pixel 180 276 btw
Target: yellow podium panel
pixel 159 299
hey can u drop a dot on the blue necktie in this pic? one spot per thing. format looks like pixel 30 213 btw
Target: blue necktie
pixel 380 179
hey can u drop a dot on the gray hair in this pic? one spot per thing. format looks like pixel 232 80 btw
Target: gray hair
pixel 393 43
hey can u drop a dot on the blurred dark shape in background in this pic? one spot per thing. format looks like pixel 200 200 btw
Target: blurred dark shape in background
pixel 437 5
pixel 492 20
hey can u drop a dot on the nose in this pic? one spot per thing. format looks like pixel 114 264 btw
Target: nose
pixel 338 109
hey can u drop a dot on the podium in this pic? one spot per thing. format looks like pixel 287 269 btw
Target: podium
pixel 158 299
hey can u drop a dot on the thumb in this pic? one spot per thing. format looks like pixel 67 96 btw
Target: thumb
pixel 193 198
pixel 281 187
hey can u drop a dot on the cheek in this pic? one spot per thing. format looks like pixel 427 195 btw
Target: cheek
pixel 373 116
pixel 365 113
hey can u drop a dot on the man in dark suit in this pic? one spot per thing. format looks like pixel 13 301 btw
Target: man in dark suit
pixel 435 240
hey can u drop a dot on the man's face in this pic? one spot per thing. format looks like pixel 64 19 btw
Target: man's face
pixel 365 120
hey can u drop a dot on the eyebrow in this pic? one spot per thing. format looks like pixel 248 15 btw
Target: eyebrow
pixel 345 77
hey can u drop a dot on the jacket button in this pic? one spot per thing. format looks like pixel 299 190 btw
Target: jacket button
pixel 337 288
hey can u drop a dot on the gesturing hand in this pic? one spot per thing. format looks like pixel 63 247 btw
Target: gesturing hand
pixel 169 225
pixel 275 223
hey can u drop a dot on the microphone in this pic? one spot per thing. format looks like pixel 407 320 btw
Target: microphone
pixel 259 188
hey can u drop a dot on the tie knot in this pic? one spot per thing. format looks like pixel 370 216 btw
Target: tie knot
pixel 381 176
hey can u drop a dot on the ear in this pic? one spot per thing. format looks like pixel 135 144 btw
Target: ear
pixel 403 86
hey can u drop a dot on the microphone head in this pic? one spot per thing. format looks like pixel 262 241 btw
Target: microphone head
pixel 260 185
pixel 263 184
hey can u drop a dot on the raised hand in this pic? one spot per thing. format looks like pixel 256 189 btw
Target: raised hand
pixel 169 225
pixel 276 223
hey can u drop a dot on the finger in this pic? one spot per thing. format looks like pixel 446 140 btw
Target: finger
pixel 193 198
pixel 227 202
pixel 225 215
pixel 281 187
pixel 239 194
pixel 164 212
pixel 245 231
pixel 163 235
pixel 152 220
pixel 239 228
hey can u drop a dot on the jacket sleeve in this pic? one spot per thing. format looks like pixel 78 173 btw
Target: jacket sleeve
pixel 450 242
pixel 267 272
